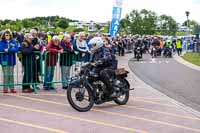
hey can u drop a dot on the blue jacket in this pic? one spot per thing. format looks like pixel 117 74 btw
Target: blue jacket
pixel 8 58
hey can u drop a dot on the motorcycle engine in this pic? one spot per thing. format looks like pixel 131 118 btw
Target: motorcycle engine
pixel 100 89
pixel 99 86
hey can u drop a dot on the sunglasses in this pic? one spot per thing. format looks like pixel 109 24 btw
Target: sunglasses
pixel 7 35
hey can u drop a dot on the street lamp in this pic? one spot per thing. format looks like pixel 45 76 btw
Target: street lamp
pixel 187 15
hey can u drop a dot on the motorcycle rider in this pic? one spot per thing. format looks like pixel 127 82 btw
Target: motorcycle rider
pixel 155 45
pixel 139 44
pixel 167 47
pixel 102 56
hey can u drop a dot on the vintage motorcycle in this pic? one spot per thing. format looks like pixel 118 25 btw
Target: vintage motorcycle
pixel 86 88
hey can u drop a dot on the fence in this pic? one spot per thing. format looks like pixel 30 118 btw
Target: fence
pixel 38 69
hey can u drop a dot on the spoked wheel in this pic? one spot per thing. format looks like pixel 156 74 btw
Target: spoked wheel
pixel 123 99
pixel 80 99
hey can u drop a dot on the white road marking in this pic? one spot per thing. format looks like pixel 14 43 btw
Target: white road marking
pixel 154 62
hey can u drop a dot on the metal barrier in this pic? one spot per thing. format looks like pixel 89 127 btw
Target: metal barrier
pixel 23 71
pixel 36 69
pixel 59 68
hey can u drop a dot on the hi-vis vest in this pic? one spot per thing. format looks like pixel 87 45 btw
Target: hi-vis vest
pixel 49 38
pixel 178 44
pixel 168 44
pixel 60 37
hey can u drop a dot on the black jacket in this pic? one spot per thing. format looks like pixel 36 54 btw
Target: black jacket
pixel 28 57
pixel 67 57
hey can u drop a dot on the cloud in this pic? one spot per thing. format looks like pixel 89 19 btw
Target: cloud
pixel 97 10
pixel 174 8
pixel 196 1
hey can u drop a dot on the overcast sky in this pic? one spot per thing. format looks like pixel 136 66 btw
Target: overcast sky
pixel 97 10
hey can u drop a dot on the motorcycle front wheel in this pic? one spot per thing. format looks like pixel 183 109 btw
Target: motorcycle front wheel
pixel 80 98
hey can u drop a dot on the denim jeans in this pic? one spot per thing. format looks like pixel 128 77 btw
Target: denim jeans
pixel 65 71
pixel 49 77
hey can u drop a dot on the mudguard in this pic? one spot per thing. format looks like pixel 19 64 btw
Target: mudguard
pixel 75 83
pixel 127 83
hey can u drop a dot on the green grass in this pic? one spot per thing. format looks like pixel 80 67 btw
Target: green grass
pixel 193 58
pixel 181 33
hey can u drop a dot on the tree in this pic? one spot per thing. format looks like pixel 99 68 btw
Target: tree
pixel 6 21
pixel 27 23
pixel 125 25
pixel 196 29
pixel 43 23
pixel 168 25
pixel 135 22
pixel 98 27
pixel 194 25
pixel 62 23
pixel 140 22
pixel 78 30
pixel 148 21
pixel 191 23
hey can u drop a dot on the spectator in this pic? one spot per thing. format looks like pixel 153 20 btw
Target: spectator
pixel 28 59
pixel 20 37
pixel 8 60
pixel 66 59
pixel 81 48
pixel 120 47
pixel 53 48
pixel 37 49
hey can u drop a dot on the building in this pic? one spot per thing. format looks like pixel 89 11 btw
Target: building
pixel 184 29
pixel 92 26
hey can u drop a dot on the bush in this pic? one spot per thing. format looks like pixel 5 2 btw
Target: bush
pixel 78 30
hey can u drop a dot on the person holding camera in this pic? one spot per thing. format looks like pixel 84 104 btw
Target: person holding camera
pixel 37 47
pixel 28 60
pixel 81 49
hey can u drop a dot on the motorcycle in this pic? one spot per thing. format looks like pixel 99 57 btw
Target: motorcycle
pixel 154 52
pixel 86 89
pixel 168 52
pixel 138 55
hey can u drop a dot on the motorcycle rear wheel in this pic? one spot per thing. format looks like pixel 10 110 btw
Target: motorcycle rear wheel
pixel 123 99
